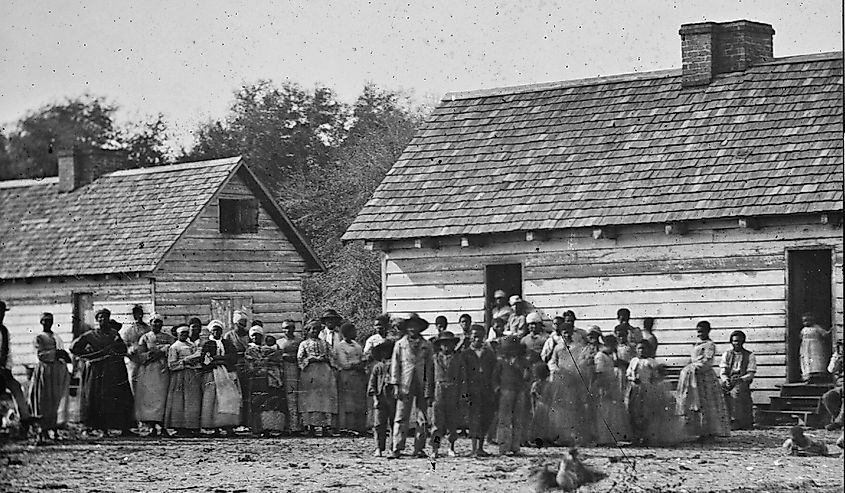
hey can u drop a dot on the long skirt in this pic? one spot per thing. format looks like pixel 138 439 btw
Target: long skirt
pixel 569 422
pixel 539 428
pixel 152 383
pixel 352 401
pixel 211 416
pixel 266 406
pixel 106 400
pixel 49 386
pixel 512 420
pixel 636 402
pixel 611 419
pixel 318 395
pixel 291 372
pixel 740 406
pixel 184 400
pixel 664 426
pixel 701 401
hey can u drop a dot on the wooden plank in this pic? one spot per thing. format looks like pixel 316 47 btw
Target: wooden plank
pixel 678 310
pixel 428 292
pixel 452 304
pixel 175 298
pixel 444 277
pixel 678 281
pixel 231 255
pixel 245 284
pixel 189 243
pixel 279 277
pixel 245 267
pixel 622 298
pixel 725 264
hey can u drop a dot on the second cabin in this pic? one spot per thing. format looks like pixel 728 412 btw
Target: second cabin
pixel 711 192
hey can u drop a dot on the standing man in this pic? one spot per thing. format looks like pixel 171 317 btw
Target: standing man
pixel 239 338
pixel 623 316
pixel 412 379
pixel 536 339
pixel 7 381
pixel 331 331
pixel 131 335
pixel 500 309
pixel 516 321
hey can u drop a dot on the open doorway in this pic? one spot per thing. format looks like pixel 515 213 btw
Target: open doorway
pixel 808 290
pixel 505 277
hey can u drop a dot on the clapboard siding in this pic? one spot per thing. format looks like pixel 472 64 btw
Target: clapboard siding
pixel 29 299
pixel 734 277
pixel 206 264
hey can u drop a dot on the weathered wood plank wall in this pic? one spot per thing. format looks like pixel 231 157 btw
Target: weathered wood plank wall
pixel 731 276
pixel 206 264
pixel 28 299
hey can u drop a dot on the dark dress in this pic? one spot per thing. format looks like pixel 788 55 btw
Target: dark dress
pixel 106 399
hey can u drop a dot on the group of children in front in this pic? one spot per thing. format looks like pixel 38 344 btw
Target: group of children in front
pixel 571 387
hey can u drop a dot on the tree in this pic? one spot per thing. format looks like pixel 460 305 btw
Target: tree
pixel 86 123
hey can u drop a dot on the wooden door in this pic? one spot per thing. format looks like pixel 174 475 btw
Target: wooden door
pixel 223 308
pixel 808 290
pixel 507 277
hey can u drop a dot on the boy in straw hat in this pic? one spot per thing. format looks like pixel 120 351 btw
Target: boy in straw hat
pixel 449 377
pixel 511 378
pixel 412 378
pixel 384 402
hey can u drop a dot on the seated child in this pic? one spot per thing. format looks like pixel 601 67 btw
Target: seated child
pixel 384 403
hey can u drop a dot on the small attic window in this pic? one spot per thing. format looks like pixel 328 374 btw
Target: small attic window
pixel 238 216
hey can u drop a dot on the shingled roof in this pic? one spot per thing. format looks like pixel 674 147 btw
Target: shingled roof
pixel 619 150
pixel 122 222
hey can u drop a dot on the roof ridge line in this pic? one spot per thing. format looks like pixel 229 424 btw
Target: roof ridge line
pixel 615 78
pixel 176 166
pixel 29 182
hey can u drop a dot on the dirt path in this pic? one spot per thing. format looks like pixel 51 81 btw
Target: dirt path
pixel 748 461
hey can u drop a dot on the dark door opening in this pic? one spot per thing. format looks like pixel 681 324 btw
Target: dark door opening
pixel 83 313
pixel 808 290
pixel 507 277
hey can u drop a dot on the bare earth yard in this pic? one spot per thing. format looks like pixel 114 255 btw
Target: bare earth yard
pixel 748 461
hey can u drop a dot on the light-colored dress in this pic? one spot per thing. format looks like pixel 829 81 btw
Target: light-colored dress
pixel 814 358
pixel 351 387
pixel 700 397
pixel 184 396
pixel 611 421
pixel 570 422
pixel 317 383
pixel 131 335
pixel 50 380
pixel 152 377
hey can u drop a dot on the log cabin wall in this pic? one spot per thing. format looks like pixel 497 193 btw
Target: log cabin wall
pixel 28 299
pixel 206 264
pixel 734 277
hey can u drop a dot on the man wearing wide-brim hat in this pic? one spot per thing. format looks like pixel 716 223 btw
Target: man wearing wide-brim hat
pixel 412 378
pixel 449 376
pixel 516 322
pixel 331 321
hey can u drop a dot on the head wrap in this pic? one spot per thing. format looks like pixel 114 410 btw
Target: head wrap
pixel 533 317
pixel 156 316
pixel 595 329
pixel 215 323
pixel 238 315
pixel 256 329
pixel 287 324
pixel 499 294
pixel 182 328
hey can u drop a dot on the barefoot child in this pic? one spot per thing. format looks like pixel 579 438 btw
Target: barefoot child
pixel 479 361
pixel 449 376
pixel 511 378
pixel 384 405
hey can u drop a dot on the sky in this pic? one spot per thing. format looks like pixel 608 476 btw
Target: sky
pixel 185 59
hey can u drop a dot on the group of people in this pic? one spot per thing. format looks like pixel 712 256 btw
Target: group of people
pixel 511 382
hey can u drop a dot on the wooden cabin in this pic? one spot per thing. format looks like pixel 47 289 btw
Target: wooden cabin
pixel 185 240
pixel 711 192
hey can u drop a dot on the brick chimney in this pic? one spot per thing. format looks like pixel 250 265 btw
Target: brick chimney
pixel 712 48
pixel 78 168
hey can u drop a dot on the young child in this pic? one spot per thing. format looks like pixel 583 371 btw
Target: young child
pixel 511 378
pixel 611 421
pixel 449 376
pixel 351 382
pixel 479 361
pixel 384 403
pixel 802 445
pixel 663 426
pixel 639 374
pixel 539 403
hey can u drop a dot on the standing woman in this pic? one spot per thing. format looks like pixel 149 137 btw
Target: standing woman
pixel 569 423
pixel 700 397
pixel 317 383
pixel 51 379
pixel 152 376
pixel 221 390
pixel 813 353
pixel 611 418
pixel 106 397
pixel 266 406
pixel 184 396
pixel 131 335
pixel 738 367
pixel 289 345
pixel 351 382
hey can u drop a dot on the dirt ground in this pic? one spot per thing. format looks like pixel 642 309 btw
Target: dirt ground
pixel 745 462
